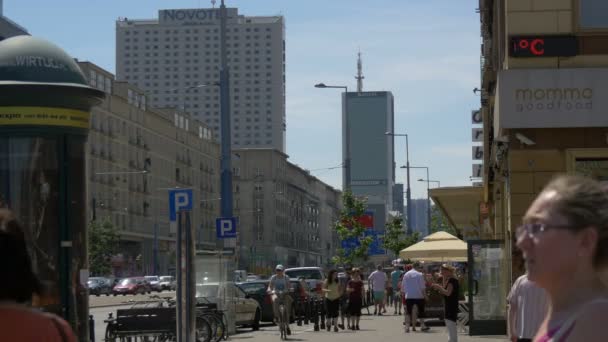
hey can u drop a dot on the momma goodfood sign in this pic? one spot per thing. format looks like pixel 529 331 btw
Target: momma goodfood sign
pixel 553 98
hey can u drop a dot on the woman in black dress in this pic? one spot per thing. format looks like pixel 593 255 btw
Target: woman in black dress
pixel 355 299
pixel 449 289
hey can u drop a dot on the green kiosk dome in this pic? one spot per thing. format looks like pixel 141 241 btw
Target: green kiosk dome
pixel 45 106
pixel 37 73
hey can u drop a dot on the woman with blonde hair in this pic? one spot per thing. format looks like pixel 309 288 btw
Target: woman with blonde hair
pixel 564 239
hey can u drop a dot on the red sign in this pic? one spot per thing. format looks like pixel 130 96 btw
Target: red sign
pixel 543 46
pixel 366 220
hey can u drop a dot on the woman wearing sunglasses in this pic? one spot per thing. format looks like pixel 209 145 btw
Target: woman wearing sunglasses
pixel 564 240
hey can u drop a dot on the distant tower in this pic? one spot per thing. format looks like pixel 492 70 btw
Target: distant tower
pixel 213 3
pixel 359 76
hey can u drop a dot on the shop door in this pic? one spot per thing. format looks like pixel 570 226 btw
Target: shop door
pixel 487 297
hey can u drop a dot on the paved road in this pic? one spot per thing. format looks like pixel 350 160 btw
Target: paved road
pixel 373 328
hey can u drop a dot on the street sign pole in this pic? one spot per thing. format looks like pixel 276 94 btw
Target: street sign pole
pixel 186 292
pixel 180 206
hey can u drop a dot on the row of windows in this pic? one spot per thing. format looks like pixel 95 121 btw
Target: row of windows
pixel 187 53
pixel 195 38
pixel 208 60
pixel 195 31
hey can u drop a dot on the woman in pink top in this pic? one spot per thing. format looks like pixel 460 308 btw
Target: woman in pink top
pixel 564 240
pixel 18 322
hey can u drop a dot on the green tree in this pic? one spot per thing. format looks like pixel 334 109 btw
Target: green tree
pixel 440 223
pixel 349 228
pixel 103 244
pixel 395 238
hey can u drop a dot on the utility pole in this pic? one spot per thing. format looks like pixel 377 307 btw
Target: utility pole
pixel 226 163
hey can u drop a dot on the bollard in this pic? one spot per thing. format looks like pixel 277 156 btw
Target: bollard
pixel 307 311
pixel 315 315
pixel 91 328
pixel 322 313
pixel 299 311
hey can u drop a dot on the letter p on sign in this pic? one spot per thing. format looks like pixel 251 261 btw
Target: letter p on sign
pixel 179 199
pixel 225 227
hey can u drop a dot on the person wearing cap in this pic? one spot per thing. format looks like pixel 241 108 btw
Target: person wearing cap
pixel 449 289
pixel 413 287
pixel 279 282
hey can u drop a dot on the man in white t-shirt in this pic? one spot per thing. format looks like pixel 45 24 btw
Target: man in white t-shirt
pixel 378 281
pixel 414 289
pixel 528 305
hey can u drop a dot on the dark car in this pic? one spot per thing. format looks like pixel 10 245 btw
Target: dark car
pixel 137 285
pixel 257 290
pixel 99 285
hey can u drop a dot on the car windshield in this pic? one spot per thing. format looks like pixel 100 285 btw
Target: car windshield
pixel 306 274
pixel 253 288
pixel 167 278
pixel 151 278
pixel 127 281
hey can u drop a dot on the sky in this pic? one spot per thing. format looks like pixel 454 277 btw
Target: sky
pixel 425 52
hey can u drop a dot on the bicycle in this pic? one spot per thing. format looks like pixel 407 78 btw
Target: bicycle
pixel 216 319
pixel 283 319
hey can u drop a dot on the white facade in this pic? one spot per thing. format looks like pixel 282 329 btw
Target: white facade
pixel 181 49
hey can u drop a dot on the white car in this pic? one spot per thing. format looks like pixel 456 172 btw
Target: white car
pixel 167 283
pixel 248 310
pixel 154 282
pixel 314 277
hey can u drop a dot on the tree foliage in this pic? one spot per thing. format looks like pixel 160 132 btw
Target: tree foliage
pixel 103 244
pixel 395 237
pixel 349 228
pixel 440 223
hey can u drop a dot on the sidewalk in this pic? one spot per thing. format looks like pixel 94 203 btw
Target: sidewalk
pixel 373 329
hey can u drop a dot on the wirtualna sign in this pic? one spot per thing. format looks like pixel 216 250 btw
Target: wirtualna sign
pixel 553 98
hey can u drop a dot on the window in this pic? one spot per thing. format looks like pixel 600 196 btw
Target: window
pixel 593 14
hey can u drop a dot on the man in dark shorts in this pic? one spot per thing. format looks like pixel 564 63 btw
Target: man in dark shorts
pixel 414 289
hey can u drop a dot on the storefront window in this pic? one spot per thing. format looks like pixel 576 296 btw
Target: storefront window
pixel 593 14
pixel 596 168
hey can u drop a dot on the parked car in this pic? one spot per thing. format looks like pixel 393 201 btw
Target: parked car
pixel 252 277
pixel 258 290
pixel 99 285
pixel 314 277
pixel 248 311
pixel 167 283
pixel 154 282
pixel 136 285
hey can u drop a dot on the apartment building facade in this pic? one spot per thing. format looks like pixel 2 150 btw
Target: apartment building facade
pixel 135 154
pixel 285 214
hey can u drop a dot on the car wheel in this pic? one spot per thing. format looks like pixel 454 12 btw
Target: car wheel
pixel 256 321
pixel 97 295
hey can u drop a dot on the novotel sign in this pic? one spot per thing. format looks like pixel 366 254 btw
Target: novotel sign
pixel 543 46
pixel 189 16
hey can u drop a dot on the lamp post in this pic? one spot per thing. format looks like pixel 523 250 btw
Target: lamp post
pixel 428 196
pixel 347 170
pixel 408 190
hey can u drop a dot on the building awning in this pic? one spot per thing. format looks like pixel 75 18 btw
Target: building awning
pixel 460 205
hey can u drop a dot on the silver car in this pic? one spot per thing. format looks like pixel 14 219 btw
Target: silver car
pixel 167 283
pixel 154 282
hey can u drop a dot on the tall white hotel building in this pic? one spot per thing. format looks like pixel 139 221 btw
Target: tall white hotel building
pixel 170 56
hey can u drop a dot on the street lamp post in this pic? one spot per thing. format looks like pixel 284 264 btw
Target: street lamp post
pixel 428 196
pixel 408 190
pixel 347 170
